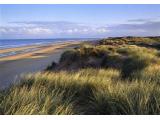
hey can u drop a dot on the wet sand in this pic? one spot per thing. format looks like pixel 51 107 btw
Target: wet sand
pixel 12 67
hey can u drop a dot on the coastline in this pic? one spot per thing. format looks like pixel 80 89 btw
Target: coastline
pixel 12 67
pixel 26 51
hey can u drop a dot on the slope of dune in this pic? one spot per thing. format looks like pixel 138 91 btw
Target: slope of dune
pixel 114 76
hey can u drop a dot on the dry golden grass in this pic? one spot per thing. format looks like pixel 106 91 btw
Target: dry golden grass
pixel 89 91
pixel 131 88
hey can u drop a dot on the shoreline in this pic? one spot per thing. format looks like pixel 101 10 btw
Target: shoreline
pixel 12 67
pixel 31 50
pixel 43 44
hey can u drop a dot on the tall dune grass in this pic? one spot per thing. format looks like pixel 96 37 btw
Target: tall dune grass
pixel 126 80
pixel 89 91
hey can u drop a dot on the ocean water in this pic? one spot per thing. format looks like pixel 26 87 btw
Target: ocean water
pixel 11 43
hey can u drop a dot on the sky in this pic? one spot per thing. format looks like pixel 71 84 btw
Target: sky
pixel 78 21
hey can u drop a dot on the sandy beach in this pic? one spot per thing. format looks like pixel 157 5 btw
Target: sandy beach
pixel 11 67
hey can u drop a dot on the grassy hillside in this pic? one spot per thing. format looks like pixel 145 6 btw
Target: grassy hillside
pixel 111 76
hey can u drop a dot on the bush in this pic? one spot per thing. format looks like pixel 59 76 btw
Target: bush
pixel 112 61
pixel 70 55
pixel 131 65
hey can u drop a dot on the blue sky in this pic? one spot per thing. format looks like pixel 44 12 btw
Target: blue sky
pixel 64 21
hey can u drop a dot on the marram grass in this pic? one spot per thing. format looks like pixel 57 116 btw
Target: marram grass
pixel 125 80
pixel 89 91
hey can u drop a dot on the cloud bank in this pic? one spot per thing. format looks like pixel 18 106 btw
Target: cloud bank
pixel 49 29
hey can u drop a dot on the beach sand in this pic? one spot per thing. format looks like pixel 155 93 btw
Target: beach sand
pixel 12 67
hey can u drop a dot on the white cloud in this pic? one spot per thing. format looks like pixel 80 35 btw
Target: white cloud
pixel 63 29
pixel 38 30
pixel 102 30
pixel 58 27
pixel 3 30
pixel 25 30
pixel 85 30
pixel 70 31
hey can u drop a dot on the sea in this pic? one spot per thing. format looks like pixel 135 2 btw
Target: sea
pixel 12 43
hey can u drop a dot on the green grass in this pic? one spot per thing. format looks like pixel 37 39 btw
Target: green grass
pixel 114 78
